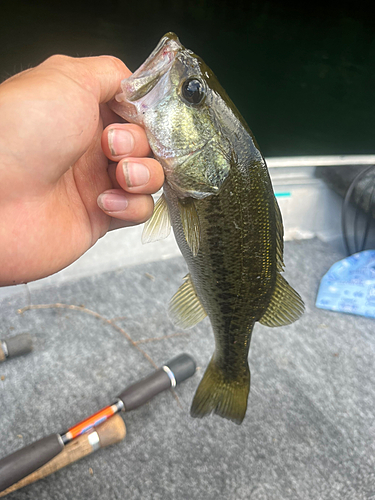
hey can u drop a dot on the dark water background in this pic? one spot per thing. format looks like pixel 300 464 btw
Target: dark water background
pixel 302 74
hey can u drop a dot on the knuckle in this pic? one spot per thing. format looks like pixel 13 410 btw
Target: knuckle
pixel 115 61
pixel 57 60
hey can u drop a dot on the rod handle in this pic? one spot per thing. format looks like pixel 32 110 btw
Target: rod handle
pixel 15 346
pixel 23 462
pixel 172 373
pixel 182 367
pixel 110 432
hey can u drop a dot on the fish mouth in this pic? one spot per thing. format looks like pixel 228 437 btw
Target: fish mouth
pixel 144 79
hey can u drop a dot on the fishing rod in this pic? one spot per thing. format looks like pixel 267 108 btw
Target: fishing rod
pixel 23 462
pixel 15 346
pixel 110 432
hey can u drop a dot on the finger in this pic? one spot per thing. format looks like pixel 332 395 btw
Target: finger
pixel 132 208
pixel 118 224
pixel 124 139
pixel 109 116
pixel 112 175
pixel 140 175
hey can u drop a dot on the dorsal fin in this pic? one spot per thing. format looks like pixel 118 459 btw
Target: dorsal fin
pixel 190 223
pixel 185 309
pixel 159 225
pixel 279 238
pixel 286 305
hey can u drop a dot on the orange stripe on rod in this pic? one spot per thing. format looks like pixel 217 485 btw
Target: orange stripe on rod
pixel 90 422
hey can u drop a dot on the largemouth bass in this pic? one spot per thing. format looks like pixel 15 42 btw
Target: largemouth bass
pixel 218 198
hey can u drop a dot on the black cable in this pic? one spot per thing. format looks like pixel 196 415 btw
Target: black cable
pixel 344 215
pixel 355 224
pixel 369 218
pixel 360 203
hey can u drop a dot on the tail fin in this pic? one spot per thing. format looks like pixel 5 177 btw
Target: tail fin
pixel 222 395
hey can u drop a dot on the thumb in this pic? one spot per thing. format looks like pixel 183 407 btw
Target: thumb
pixel 50 114
pixel 101 75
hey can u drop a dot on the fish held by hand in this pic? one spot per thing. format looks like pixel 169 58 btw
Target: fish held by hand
pixel 218 198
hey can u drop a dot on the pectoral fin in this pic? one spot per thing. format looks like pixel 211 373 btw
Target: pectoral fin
pixel 185 308
pixel 159 226
pixel 190 223
pixel 286 305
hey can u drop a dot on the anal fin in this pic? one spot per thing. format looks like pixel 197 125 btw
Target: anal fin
pixel 185 309
pixel 286 305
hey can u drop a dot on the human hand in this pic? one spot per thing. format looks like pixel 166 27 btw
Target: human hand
pixel 58 191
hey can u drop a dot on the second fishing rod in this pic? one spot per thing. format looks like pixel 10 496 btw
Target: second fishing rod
pixel 23 462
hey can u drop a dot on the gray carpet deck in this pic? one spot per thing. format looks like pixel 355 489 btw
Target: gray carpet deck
pixel 309 431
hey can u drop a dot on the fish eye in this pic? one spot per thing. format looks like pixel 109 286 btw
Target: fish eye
pixel 193 90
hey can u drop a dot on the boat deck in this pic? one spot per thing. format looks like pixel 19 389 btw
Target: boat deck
pixel 309 429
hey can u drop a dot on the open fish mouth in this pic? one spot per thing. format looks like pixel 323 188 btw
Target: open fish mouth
pixel 144 79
